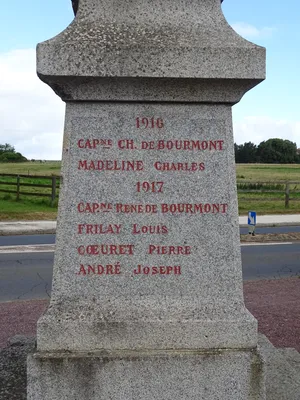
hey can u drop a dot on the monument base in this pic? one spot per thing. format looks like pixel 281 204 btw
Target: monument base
pixel 153 375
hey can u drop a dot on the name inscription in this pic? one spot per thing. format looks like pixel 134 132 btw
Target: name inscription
pixel 109 165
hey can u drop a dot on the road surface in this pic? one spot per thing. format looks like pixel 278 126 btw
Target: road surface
pixel 50 239
pixel 28 274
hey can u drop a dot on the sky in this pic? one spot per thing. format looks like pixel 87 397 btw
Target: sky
pixel 32 116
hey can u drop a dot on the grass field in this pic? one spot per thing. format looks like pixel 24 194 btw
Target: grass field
pixel 268 172
pixel 28 207
pixel 31 168
pixel 34 208
pixel 260 202
pixel 26 210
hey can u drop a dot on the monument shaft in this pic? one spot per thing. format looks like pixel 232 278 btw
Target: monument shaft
pixel 147 273
pixel 150 241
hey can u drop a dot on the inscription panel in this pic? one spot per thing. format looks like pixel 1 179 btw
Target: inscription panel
pixel 148 209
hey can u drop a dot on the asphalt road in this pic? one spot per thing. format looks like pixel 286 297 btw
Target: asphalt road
pixel 28 275
pixel 50 239
pixel 19 240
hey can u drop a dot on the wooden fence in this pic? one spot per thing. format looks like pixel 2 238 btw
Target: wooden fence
pixel 289 189
pixel 51 185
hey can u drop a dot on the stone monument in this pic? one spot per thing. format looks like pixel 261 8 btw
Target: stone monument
pixel 147 299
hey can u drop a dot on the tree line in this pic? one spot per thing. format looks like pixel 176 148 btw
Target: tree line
pixel 9 154
pixel 272 151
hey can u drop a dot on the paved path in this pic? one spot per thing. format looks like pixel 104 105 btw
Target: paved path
pixel 36 227
pixel 27 227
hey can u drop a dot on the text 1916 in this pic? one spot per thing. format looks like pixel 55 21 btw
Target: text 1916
pixel 149 123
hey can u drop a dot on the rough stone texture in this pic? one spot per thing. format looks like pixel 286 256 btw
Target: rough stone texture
pixel 282 374
pixel 110 44
pixel 195 41
pixel 13 367
pixel 219 375
pixel 292 356
pixel 150 89
pixel 201 308
pixel 130 336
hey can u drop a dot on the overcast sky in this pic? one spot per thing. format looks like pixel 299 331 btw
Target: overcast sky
pixel 32 115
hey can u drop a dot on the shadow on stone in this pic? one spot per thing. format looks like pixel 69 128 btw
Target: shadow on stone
pixel 13 367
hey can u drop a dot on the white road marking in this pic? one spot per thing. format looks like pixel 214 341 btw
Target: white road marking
pixel 32 248
pixel 266 244
pixel 50 248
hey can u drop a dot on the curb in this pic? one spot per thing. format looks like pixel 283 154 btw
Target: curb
pixel 272 224
pixel 25 231
pixel 16 229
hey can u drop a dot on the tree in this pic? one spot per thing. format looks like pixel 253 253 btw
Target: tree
pixel 245 153
pixel 12 157
pixel 9 154
pixel 277 151
pixel 6 147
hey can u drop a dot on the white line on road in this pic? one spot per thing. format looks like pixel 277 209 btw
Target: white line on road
pixel 49 248
pixel 33 248
pixel 266 244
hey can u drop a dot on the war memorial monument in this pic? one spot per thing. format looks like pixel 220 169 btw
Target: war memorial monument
pixel 147 299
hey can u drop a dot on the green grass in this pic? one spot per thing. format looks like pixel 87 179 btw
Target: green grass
pixel 272 173
pixel 31 168
pixel 268 172
pixel 10 183
pixel 27 210
pixel 28 207
pixel 34 208
pixel 262 204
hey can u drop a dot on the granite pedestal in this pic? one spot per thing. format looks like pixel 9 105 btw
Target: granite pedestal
pixel 147 298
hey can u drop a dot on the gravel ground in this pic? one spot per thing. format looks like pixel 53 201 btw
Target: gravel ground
pixel 275 303
pixel 272 237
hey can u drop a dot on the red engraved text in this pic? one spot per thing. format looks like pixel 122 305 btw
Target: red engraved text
pixel 138 229
pixel 169 250
pixel 101 229
pixel 99 269
pixel 159 270
pixel 111 165
pixel 172 167
pixel 187 145
pixel 152 187
pixel 106 249
pixel 143 122
pixel 94 143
